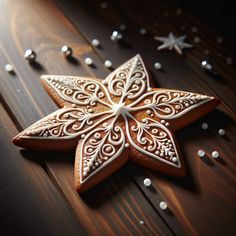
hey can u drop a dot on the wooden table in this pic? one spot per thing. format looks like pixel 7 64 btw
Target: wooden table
pixel 37 195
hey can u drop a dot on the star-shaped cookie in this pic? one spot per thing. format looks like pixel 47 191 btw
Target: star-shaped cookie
pixel 114 120
pixel 172 42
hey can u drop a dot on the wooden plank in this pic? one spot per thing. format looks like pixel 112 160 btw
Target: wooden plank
pixel 29 202
pixel 114 207
pixel 197 202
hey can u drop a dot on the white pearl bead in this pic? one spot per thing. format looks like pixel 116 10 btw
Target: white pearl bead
pixel 141 222
pixel 9 68
pixel 204 126
pixel 201 153
pixel 142 31
pixel 163 205
pixel 221 132
pixel 66 51
pixel 30 55
pixel 122 27
pixel 215 154
pixel 157 66
pixel 147 182
pixel 116 36
pixel 127 145
pixel 95 42
pixel 108 64
pixel 88 61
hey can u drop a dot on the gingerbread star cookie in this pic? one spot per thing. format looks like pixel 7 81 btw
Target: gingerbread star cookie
pixel 114 120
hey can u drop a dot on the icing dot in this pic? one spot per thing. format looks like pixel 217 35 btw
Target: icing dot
pixel 82 135
pixel 221 132
pixel 215 154
pixel 204 126
pixel 90 110
pixel 167 124
pixel 88 61
pixel 148 112
pixel 201 153
pixel 163 205
pixel 127 145
pixel 162 121
pixel 149 89
pixel 147 182
pixel 151 115
pixel 174 159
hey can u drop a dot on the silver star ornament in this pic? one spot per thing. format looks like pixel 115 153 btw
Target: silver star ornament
pixel 173 42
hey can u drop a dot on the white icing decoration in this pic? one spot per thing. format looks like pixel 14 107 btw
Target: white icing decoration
pixel 125 92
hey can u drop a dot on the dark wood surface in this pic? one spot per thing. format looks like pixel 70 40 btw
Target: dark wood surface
pixel 37 194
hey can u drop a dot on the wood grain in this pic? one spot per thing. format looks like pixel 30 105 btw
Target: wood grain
pixel 30 204
pixel 201 204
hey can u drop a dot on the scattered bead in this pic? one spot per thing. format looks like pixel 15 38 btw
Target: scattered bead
pixel 201 153
pixel 95 42
pixel 178 11
pixel 116 36
pixel 163 205
pixel 221 132
pixel 194 29
pixel 122 27
pixel 205 64
pixel 9 68
pixel 197 39
pixel 66 51
pixel 30 55
pixel 157 66
pixel 88 61
pixel 141 222
pixel 229 60
pixel 204 126
pixel 142 31
pixel 108 64
pixel 215 154
pixel 147 182
pixel 219 39
pixel 103 5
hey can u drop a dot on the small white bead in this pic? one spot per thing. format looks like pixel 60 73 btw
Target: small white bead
pixel 163 205
pixel 157 66
pixel 194 29
pixel 219 40
pixel 142 31
pixel 108 64
pixel 141 222
pixel 127 145
pixel 103 5
pixel 88 61
pixel 95 42
pixel 221 132
pixel 201 153
pixel 30 55
pixel 116 36
pixel 215 154
pixel 66 51
pixel 229 60
pixel 197 39
pixel 122 27
pixel 204 126
pixel 147 182
pixel 9 68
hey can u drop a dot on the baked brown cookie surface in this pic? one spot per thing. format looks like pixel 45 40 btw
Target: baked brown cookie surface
pixel 104 119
